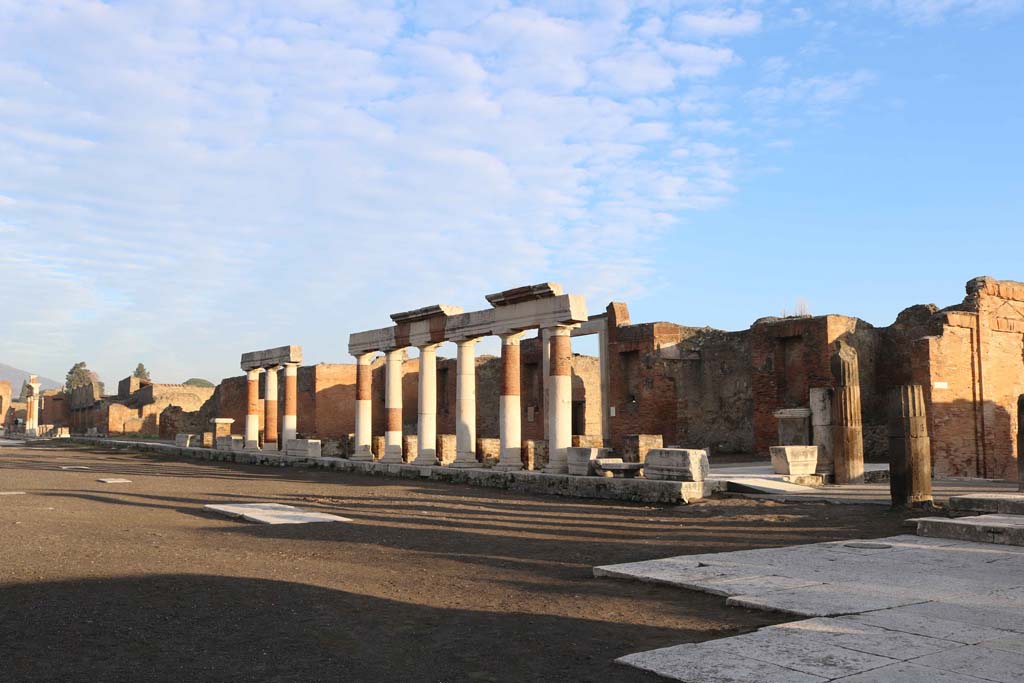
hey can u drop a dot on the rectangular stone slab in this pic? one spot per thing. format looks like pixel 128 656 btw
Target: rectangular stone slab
pixel 999 529
pixel 686 663
pixel 272 357
pixel 1002 503
pixel 274 513
pixel 114 480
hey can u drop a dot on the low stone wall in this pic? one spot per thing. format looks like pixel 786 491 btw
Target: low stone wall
pixel 539 483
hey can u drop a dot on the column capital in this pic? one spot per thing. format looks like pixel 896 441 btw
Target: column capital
pixel 291 369
pixel 512 338
pixel 468 341
pixel 254 374
pixel 366 358
pixel 559 330
pixel 432 346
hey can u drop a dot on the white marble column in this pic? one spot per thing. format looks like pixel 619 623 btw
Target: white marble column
pixel 290 419
pixel 270 410
pixel 559 401
pixel 426 440
pixel 393 406
pixel 465 405
pixel 364 408
pixel 510 412
pixel 252 410
pixel 32 410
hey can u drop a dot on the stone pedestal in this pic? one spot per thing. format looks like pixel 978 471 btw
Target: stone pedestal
pixel 488 452
pixel 303 448
pixel 446 449
pixel 410 450
pixel 581 460
pixel 635 447
pixel 535 454
pixel 821 427
pixel 222 426
pixel 910 465
pixel 794 426
pixel 847 427
pixel 677 464
pixel 794 460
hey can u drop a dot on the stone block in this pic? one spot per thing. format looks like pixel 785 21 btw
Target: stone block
pixel 488 451
pixel 534 454
pixel 794 426
pixel 410 447
pixel 677 464
pixel 185 440
pixel 231 442
pixel 303 448
pixel 221 426
pixel 794 460
pixel 581 460
pixel 635 447
pixel 587 441
pixel 207 440
pixel 446 450
pixel 377 446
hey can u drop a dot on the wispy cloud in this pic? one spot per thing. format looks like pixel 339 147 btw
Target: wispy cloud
pixel 200 179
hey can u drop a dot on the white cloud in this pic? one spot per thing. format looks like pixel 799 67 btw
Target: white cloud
pixel 719 22
pixel 934 11
pixel 207 179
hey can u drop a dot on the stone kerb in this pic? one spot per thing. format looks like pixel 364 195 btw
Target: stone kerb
pixel 267 358
pixel 794 460
pixel 677 464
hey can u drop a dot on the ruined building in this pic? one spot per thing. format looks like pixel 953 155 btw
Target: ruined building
pixel 693 387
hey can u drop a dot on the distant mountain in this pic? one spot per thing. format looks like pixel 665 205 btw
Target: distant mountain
pixel 16 377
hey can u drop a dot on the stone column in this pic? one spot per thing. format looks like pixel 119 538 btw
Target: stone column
pixel 426 440
pixel 847 427
pixel 1020 443
pixel 252 410
pixel 270 410
pixel 465 404
pixel 821 427
pixel 910 463
pixel 290 419
pixel 32 410
pixel 393 406
pixel 510 413
pixel 364 408
pixel 559 401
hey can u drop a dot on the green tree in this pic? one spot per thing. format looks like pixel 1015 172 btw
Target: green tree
pixel 79 376
pixel 199 382
pixel 141 372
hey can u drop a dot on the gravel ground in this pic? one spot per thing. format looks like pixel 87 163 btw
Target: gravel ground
pixel 430 582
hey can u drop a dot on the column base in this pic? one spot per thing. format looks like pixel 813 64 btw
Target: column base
pixel 508 466
pixel 424 462
pixel 362 456
pixel 392 459
pixel 270 446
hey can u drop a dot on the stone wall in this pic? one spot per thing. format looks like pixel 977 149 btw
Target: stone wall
pixel 5 403
pixel 972 370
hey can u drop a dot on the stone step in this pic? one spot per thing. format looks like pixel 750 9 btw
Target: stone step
pixel 763 485
pixel 998 503
pixel 999 529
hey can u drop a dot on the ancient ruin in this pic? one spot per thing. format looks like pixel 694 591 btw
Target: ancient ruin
pixel 819 381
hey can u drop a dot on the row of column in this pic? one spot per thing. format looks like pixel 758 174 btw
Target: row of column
pixel 559 403
pixel 270 393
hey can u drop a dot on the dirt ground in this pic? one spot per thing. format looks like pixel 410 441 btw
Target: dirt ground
pixel 431 582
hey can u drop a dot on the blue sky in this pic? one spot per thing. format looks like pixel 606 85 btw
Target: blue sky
pixel 184 181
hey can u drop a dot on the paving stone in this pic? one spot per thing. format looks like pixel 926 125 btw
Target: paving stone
pixel 1011 643
pixel 973 660
pixel 12 493
pixel 989 617
pixel 114 480
pixel 907 672
pixel 900 620
pixel 853 635
pixel 826 600
pixel 74 467
pixel 751 585
pixel 692 665
pixel 274 513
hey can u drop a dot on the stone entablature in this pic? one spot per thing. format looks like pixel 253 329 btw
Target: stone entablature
pixel 271 362
pixel 270 358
